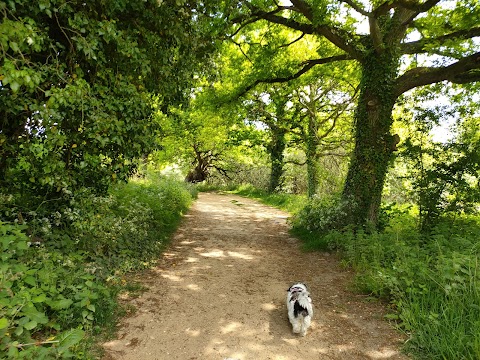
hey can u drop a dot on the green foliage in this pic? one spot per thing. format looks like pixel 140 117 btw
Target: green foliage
pixel 203 139
pixel 77 83
pixel 443 176
pixel 288 202
pixel 322 214
pixel 48 299
pixel 58 287
pixel 282 43
pixel 432 282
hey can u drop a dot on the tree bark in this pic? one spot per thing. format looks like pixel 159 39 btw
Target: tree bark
pixel 276 149
pixel 374 144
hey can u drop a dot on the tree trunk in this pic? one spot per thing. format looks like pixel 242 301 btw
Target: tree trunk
pixel 311 153
pixel 276 149
pixel 374 144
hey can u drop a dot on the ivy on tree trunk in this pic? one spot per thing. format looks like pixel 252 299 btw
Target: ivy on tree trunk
pixel 374 144
pixel 276 149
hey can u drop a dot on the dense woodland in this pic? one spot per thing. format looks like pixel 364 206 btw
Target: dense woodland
pixel 114 113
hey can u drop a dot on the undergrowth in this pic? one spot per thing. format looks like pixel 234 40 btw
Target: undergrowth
pixel 61 270
pixel 287 202
pixel 432 281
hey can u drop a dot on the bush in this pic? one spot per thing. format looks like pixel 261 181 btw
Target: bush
pixel 321 214
pixel 432 283
pixel 58 284
pixel 46 298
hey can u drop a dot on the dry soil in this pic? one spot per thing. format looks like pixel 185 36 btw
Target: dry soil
pixel 219 291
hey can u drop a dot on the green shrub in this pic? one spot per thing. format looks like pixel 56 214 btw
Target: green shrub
pixel 287 202
pixel 58 291
pixel 432 282
pixel 321 214
pixel 46 298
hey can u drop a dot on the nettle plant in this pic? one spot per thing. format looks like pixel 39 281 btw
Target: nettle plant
pixel 47 301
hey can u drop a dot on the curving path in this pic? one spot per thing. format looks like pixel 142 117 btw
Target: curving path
pixel 219 290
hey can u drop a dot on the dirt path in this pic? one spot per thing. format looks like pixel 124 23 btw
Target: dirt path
pixel 219 292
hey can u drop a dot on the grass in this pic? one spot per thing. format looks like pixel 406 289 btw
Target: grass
pixel 432 282
pixel 287 202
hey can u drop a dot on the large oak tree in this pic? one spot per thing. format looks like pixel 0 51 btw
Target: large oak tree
pixel 407 44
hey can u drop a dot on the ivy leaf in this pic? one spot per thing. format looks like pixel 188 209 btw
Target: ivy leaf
pixel 15 86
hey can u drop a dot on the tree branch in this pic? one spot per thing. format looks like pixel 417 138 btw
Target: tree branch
pixel 303 8
pixel 356 7
pixel 292 24
pixel 464 70
pixel 415 9
pixel 336 36
pixel 293 42
pixel 241 50
pixel 412 5
pixel 294 162
pixel 417 47
pixel 308 65
pixel 376 34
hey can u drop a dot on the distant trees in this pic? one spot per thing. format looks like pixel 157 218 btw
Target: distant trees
pixel 311 115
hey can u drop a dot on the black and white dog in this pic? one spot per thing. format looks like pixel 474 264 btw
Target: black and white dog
pixel 300 310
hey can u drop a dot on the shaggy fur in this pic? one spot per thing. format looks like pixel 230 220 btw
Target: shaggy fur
pixel 300 310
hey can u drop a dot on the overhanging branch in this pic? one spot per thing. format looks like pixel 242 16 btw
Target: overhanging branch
pixel 303 8
pixel 308 65
pixel 418 47
pixel 463 71
pixel 413 5
pixel 337 37
pixel 357 7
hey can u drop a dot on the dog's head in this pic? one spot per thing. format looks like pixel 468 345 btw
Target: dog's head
pixel 298 287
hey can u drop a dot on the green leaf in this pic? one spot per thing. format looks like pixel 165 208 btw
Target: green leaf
pixel 15 86
pixel 30 325
pixel 30 280
pixel 61 304
pixel 13 350
pixel 70 338
pixel 14 46
pixel 39 298
pixel 33 314
pixel 22 245
pixel 19 330
pixel 3 323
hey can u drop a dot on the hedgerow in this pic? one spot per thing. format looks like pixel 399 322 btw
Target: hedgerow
pixel 61 271
pixel 431 281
